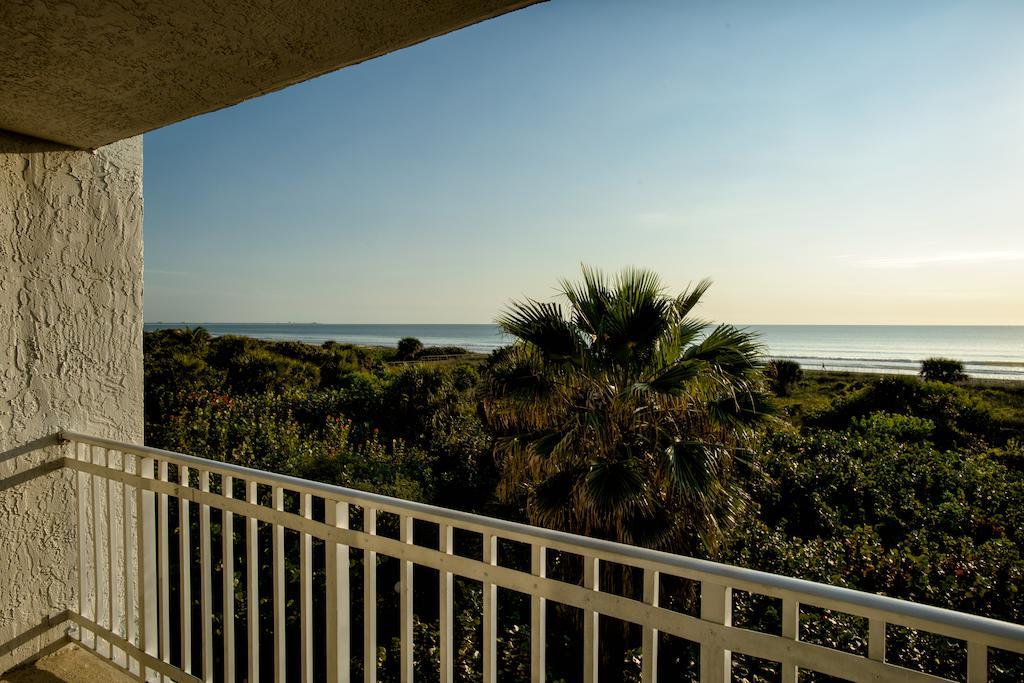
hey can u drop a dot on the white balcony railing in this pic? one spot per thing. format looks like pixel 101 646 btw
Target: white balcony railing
pixel 131 494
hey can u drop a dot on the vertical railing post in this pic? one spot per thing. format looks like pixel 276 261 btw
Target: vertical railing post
pixel 591 581
pixel 977 662
pixel 227 541
pixel 252 584
pixel 490 616
pixel 369 600
pixel 538 617
pixel 146 520
pixel 876 639
pixel 277 537
pixel 97 548
pixel 339 617
pixel 129 542
pixel 163 575
pixel 715 607
pixel 206 579
pixel 446 589
pixel 649 653
pixel 791 630
pixel 83 544
pixel 306 592
pixel 185 570
pixel 405 606
pixel 116 626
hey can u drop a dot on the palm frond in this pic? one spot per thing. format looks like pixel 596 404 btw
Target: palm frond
pixel 543 326
pixel 690 297
pixel 693 467
pixel 729 351
pixel 637 316
pixel 742 409
pixel 551 500
pixel 613 487
pixel 654 527
pixel 589 301
pixel 676 338
pixel 688 329
pixel 672 380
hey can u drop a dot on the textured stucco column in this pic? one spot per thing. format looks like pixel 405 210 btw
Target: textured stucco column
pixel 70 356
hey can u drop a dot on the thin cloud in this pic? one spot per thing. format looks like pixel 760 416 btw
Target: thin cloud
pixel 172 273
pixel 943 259
pixel 657 219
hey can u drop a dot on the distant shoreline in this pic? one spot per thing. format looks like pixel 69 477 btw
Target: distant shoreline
pixel 988 352
pixel 970 381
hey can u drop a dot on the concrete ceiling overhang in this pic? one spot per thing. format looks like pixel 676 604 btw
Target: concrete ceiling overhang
pixel 85 73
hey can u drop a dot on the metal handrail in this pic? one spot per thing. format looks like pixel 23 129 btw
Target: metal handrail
pixel 942 621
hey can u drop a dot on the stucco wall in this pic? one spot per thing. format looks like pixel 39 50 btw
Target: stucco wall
pixel 70 355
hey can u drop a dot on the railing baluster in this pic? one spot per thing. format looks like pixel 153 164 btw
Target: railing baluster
pixel 280 670
pixel 227 540
pixel 649 654
pixel 83 553
pixel 338 608
pixel 128 542
pixel 591 581
pixel 97 548
pixel 252 585
pixel 145 518
pixel 538 617
pixel 490 616
pixel 185 572
pixel 876 639
pixel 370 600
pixel 791 630
pixel 306 591
pixel 405 604
pixel 716 607
pixel 977 662
pixel 164 573
pixel 206 579
pixel 446 590
pixel 113 624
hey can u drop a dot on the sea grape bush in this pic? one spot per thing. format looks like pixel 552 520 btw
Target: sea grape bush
pixel 943 370
pixel 879 506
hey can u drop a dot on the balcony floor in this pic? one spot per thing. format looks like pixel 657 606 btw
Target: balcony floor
pixel 70 664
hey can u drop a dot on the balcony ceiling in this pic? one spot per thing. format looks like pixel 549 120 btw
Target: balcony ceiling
pixel 85 73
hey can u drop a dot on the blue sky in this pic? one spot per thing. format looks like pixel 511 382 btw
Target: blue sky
pixel 823 162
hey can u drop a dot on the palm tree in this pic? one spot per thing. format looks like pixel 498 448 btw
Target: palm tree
pixel 623 417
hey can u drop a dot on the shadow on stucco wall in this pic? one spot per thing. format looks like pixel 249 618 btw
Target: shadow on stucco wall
pixel 14 143
pixel 70 357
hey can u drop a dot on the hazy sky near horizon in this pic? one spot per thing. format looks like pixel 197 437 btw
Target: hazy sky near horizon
pixel 823 162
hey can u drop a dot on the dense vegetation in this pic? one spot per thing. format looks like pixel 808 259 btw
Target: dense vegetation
pixel 900 486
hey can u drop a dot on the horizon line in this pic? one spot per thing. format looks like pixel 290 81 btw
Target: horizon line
pixel 761 324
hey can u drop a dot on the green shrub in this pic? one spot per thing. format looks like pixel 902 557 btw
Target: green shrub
pixel 860 508
pixel 441 351
pixel 960 418
pixel 409 348
pixel 783 375
pixel 943 370
pixel 258 370
pixel 905 428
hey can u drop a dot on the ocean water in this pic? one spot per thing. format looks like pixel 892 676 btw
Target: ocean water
pixel 994 352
